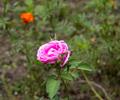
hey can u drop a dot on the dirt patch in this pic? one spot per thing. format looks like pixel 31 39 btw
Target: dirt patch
pixel 13 65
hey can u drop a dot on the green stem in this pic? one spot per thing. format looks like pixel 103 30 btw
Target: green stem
pixel 67 92
pixel 65 85
pixel 5 7
pixel 92 88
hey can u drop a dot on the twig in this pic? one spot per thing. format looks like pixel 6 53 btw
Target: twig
pixel 92 88
pixel 98 86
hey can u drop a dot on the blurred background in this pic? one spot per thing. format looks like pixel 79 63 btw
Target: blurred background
pixel 90 27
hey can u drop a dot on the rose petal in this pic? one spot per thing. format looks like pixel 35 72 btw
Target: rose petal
pixel 50 52
pixel 65 58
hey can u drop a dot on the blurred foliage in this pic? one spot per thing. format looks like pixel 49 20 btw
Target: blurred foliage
pixel 91 29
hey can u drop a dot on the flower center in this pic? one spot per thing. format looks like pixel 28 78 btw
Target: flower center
pixel 52 52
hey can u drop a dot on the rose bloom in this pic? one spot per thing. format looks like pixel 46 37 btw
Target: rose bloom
pixel 54 51
pixel 27 17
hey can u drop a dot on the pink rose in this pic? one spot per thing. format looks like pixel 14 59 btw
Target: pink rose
pixel 54 51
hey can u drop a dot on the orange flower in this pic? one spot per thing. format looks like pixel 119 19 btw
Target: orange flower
pixel 27 17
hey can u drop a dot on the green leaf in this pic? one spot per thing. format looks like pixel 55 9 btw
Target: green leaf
pixel 39 9
pixel 74 64
pixel 67 76
pixel 81 42
pixel 4 22
pixel 65 27
pixel 30 5
pixel 84 66
pixel 81 66
pixel 29 2
pixel 52 86
pixel 37 62
pixel 75 74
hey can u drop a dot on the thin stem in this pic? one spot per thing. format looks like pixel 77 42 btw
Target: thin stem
pixel 98 86
pixel 67 91
pixel 65 85
pixel 92 88
pixel 5 7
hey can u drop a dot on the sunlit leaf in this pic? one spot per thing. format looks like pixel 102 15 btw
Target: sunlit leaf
pixel 81 66
pixel 52 87
pixel 29 2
